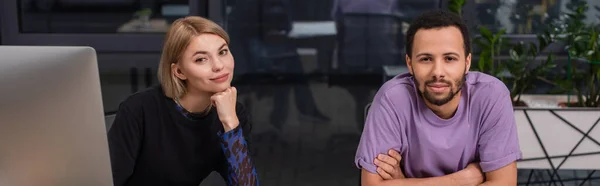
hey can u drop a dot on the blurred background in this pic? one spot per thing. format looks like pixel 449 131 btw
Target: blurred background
pixel 306 68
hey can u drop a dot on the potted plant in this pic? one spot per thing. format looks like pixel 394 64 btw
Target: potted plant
pixel 143 16
pixel 525 68
pixel 539 128
pixel 518 65
pixel 582 74
pixel 490 46
pixel 522 69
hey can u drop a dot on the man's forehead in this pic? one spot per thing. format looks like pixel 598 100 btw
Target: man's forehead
pixel 438 30
pixel 438 39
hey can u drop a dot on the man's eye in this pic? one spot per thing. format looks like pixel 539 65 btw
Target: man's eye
pixel 450 58
pixel 425 59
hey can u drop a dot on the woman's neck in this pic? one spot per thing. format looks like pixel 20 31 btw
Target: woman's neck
pixel 195 102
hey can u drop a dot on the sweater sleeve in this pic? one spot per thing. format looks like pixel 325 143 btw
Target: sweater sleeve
pixel 238 168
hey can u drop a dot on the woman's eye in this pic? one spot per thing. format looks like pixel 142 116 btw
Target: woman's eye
pixel 200 59
pixel 223 52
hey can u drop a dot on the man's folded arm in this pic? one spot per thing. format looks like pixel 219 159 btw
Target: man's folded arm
pixel 499 147
pixel 371 179
pixel 504 176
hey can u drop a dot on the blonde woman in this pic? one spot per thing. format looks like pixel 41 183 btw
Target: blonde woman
pixel 179 132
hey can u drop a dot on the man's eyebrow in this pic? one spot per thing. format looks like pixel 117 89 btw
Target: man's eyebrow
pixel 423 54
pixel 451 53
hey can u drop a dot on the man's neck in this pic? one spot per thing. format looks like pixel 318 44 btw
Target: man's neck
pixel 195 101
pixel 446 111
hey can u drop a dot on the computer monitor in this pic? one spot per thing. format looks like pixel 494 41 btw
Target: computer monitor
pixel 52 130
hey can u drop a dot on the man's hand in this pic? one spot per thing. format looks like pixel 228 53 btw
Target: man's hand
pixel 471 175
pixel 388 165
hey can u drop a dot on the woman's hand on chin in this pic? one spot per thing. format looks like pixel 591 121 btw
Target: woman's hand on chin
pixel 225 103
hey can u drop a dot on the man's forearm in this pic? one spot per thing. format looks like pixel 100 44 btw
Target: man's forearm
pixel 447 180
pixel 454 179
pixel 497 182
pixel 434 181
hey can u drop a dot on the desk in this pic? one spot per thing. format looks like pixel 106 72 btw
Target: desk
pixel 108 121
pixel 137 26
pixel 320 35
pixel 304 29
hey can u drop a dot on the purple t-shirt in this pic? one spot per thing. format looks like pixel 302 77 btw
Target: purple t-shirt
pixel 483 129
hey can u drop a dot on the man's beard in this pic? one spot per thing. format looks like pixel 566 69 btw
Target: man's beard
pixel 439 102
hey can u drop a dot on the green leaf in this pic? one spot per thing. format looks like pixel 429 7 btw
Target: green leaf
pixel 498 35
pixel 533 50
pixel 453 8
pixel 482 44
pixel 564 84
pixel 481 63
pixel 573 52
pixel 143 12
pixel 590 53
pixel 579 38
pixel 549 63
pixel 542 42
pixel 486 33
pixel 514 55
pixel 558 90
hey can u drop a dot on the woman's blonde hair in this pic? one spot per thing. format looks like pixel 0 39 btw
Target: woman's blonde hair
pixel 176 41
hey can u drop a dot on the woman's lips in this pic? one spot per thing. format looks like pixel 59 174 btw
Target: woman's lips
pixel 221 78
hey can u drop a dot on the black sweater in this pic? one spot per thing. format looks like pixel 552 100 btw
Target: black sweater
pixel 152 143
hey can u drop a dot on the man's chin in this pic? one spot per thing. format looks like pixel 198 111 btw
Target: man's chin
pixel 438 99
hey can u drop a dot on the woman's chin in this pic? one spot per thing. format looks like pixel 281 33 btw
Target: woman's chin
pixel 221 87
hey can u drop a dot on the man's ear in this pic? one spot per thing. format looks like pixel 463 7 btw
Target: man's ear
pixel 468 61
pixel 175 70
pixel 409 65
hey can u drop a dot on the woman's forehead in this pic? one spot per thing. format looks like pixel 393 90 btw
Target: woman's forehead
pixel 206 42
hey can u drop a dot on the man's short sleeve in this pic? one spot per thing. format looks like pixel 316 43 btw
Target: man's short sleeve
pixel 498 144
pixel 381 133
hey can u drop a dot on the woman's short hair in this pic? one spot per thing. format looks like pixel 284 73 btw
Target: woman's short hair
pixel 176 41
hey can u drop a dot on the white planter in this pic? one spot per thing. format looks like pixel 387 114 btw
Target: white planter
pixel 553 138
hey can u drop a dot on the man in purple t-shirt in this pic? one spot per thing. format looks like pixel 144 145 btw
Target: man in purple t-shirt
pixel 450 126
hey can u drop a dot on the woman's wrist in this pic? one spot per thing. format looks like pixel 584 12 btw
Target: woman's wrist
pixel 230 124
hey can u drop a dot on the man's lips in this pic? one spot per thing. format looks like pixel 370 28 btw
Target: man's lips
pixel 438 85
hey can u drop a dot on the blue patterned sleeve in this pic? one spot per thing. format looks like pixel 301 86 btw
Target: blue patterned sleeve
pixel 240 168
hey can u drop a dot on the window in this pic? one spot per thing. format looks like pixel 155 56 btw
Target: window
pixel 302 36
pixel 525 16
pixel 100 16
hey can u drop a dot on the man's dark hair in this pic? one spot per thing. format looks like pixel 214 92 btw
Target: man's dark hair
pixel 437 19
